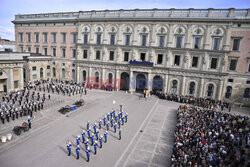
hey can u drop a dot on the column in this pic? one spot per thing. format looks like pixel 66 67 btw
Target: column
pixel 131 82
pixel 11 81
pixel 165 88
pixel 117 80
pixel 21 79
pixel 103 77
pixel 227 39
pixel 220 88
pixel 149 82
pixel 207 43
pixel 170 36
pixel 89 79
pixel 183 86
pixel 201 87
pixel 78 74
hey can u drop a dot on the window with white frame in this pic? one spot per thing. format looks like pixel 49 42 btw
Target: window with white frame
pixel 177 59
pixel 63 52
pixel 85 38
pixel 144 40
pixel 111 55
pixel 161 40
pixel 73 53
pixel 54 52
pixel 214 62
pixel 20 37
pixel 233 64
pixel 85 53
pixel 37 37
pixel 54 37
pixel 127 39
pixel 64 38
pixel 45 37
pixel 197 42
pixel 112 39
pixel 195 61
pixel 236 44
pixel 98 38
pixel 179 41
pixel 216 43
pixel 74 38
pixel 29 37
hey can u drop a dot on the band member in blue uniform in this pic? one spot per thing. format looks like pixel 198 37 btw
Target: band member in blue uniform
pixel 100 140
pixel 112 122
pixel 89 130
pixel 83 136
pixel 88 154
pixel 120 134
pixel 78 139
pixel 94 127
pixel 69 148
pixel 100 124
pixel 108 116
pixel 86 143
pixel 77 151
pixel 95 147
pixel 116 118
pixel 115 126
pixel 96 135
pixel 104 120
pixel 122 120
pixel 126 117
pixel 88 125
pixel 92 139
pixel 119 123
pixel 105 137
pixel 107 126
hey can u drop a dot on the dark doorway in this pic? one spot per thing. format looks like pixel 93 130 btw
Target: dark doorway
pixel 141 83
pixel 5 88
pixel 124 83
pixel 157 83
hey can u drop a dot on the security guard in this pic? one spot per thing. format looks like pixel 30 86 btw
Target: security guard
pixel 100 140
pixel 115 125
pixel 100 124
pixel 88 154
pixel 78 140
pixel 105 137
pixel 120 134
pixel 83 136
pixel 69 148
pixel 77 151
pixel 95 147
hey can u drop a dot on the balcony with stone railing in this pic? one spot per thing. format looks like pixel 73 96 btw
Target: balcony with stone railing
pixel 141 13
pixel 141 63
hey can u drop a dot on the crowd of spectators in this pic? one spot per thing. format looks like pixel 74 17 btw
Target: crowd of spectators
pixel 204 137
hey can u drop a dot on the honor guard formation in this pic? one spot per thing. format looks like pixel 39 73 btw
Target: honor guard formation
pixel 97 134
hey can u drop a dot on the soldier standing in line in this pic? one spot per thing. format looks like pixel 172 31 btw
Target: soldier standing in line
pixel 120 134
pixel 122 120
pixel 69 148
pixel 111 122
pixel 94 127
pixel 119 124
pixel 97 132
pixel 95 147
pixel 92 139
pixel 107 126
pixel 89 130
pixel 88 125
pixel 86 143
pixel 100 140
pixel 115 125
pixel 77 151
pixel 104 120
pixel 78 140
pixel 108 115
pixel 100 124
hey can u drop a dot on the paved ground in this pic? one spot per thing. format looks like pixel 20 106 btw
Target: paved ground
pixel 147 138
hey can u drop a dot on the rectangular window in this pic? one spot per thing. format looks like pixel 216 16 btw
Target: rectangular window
pixel 45 37
pixel 98 55
pixel 15 84
pixel 195 61
pixel 143 56
pixel 127 39
pixel 85 39
pixel 216 45
pixel 45 51
pixel 20 37
pixel 112 39
pixel 37 37
pixel 29 49
pixel 126 56
pixel 144 40
pixel 98 39
pixel 177 60
pixel 28 37
pixel 34 76
pixel 73 53
pixel 159 59
pixel 248 67
pixel 236 44
pixel 197 42
pixel 161 41
pixel 230 80
pixel 48 67
pixel 85 54
pixel 63 37
pixel 74 36
pixel 111 55
pixel 248 81
pixel 37 50
pixel 178 41
pixel 21 48
pixel 233 64
pixel 54 37
pixel 63 52
pixel 214 63
pixel 54 51
pixel 34 68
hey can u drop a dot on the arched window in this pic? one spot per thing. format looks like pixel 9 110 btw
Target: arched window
pixel 41 72
pixel 210 90
pixel 174 86
pixel 84 75
pixel 247 93
pixel 228 92
pixel 97 77
pixel 73 75
pixel 191 88
pixel 63 73
pixel 110 78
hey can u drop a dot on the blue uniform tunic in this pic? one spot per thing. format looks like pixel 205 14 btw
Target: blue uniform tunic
pixel 100 124
pixel 69 148
pixel 100 140
pixel 77 152
pixel 83 136
pixel 105 137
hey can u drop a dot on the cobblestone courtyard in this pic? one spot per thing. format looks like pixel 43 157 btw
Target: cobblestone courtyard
pixel 147 137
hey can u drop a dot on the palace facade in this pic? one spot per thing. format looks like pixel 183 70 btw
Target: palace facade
pixel 196 52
